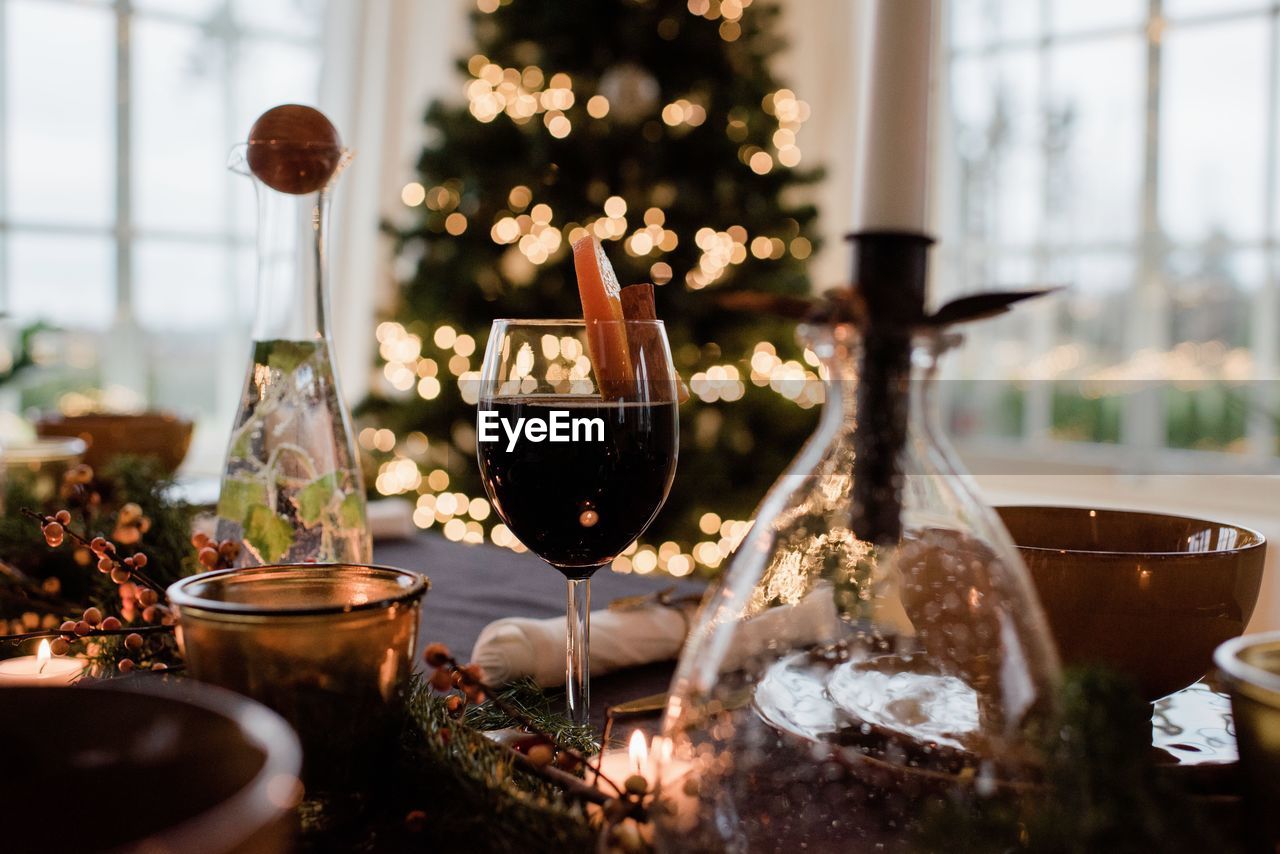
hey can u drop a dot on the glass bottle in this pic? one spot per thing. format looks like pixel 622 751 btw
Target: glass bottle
pixel 292 491
pixel 833 696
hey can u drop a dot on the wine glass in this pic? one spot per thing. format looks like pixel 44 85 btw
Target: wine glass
pixel 577 441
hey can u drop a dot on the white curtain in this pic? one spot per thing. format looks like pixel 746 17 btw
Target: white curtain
pixel 385 61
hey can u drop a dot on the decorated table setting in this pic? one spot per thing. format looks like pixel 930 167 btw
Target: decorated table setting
pixel 884 662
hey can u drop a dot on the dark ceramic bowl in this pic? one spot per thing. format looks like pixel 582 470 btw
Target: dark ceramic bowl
pixel 141 766
pixel 161 435
pixel 1148 594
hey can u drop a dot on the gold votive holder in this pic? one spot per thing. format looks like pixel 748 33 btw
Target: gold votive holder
pixel 1250 667
pixel 328 646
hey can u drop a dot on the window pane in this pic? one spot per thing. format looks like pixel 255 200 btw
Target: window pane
pixel 269 73
pixel 245 284
pixel 1019 20
pixel 970 24
pixel 1094 311
pixel 180 135
pixel 1005 347
pixel 181 379
pixel 998 142
pixel 297 17
pixel 1072 16
pixel 1213 131
pixel 66 281
pixel 194 9
pixel 985 388
pixel 1212 293
pixel 975 23
pixel 1093 139
pixel 274 72
pixel 1180 8
pixel 60 124
pixel 182 285
pixel 1086 404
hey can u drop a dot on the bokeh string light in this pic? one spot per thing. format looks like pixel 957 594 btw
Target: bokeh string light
pixel 427 361
pixel 407 467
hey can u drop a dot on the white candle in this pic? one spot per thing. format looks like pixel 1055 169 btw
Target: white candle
pixel 894 118
pixel 617 765
pixel 43 668
pixel 643 759
pixel 653 762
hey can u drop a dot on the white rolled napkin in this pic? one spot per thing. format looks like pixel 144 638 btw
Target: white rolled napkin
pixel 514 647
pixel 811 620
pixel 391 519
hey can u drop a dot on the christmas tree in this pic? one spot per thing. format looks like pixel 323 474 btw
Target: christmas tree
pixel 658 126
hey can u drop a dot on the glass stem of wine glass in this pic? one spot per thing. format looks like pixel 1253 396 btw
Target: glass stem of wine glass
pixel 576 653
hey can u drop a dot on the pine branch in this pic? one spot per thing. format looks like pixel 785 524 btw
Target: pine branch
pixel 536 711
pixel 474 687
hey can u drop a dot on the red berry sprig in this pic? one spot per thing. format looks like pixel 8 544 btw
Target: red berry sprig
pixel 215 554
pixel 57 528
pixel 140 596
pixel 468 680
pixel 54 528
pixel 92 624
pixel 541 754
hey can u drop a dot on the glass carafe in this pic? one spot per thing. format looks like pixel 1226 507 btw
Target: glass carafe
pixel 291 488
pixel 836 696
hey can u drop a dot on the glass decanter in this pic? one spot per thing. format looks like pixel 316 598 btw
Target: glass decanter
pixel 832 695
pixel 292 491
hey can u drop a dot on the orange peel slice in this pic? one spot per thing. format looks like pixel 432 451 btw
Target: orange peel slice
pixel 602 310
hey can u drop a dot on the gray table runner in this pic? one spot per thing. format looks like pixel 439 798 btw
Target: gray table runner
pixel 472 585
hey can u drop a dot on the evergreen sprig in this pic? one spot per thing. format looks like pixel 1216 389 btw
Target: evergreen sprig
pixel 463 789
pixel 535 706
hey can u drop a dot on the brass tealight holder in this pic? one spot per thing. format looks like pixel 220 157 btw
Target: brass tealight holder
pixel 1250 667
pixel 328 646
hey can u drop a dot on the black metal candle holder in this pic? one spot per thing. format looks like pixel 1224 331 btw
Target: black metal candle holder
pixel 890 269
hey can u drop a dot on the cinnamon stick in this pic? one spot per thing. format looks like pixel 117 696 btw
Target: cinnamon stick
pixel 638 303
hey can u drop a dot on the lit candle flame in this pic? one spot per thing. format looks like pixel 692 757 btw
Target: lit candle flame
pixel 43 655
pixel 639 752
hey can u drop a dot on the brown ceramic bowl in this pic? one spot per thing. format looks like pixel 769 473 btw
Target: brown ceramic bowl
pixel 1148 594
pixel 161 435
pixel 168 768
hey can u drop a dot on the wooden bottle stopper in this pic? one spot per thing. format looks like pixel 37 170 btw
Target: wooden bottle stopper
pixel 294 149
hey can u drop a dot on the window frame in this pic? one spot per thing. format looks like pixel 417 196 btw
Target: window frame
pixel 1142 445
pixel 128 365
